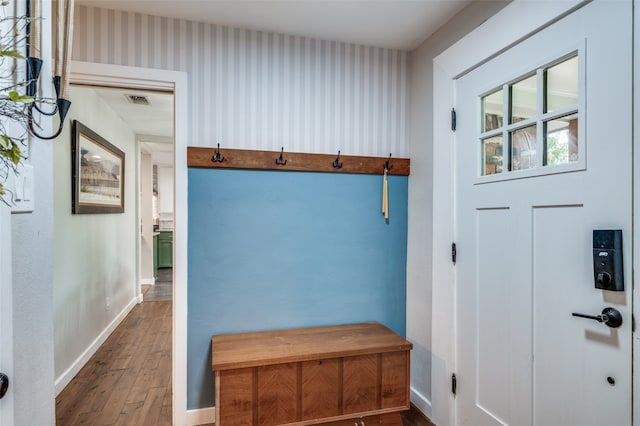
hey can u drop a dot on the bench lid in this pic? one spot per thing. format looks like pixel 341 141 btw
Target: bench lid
pixel 252 349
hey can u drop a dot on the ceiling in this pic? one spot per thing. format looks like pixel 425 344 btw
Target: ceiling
pixel 152 120
pixel 152 123
pixel 397 24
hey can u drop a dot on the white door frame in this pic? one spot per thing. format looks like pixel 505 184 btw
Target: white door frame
pixel 177 81
pixel 635 297
pixel 6 316
pixel 490 39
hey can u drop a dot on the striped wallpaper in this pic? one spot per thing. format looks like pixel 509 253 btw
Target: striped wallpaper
pixel 261 90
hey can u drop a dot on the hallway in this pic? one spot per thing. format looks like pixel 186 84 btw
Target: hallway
pixel 128 381
pixel 163 288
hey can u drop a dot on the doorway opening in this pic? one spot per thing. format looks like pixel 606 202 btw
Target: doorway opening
pixel 140 122
pixel 153 80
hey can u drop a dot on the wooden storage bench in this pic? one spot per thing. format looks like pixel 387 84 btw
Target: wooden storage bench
pixel 339 375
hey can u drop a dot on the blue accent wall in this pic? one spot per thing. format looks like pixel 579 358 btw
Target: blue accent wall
pixel 271 250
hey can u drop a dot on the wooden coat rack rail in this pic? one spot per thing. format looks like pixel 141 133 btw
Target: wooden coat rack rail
pixel 293 161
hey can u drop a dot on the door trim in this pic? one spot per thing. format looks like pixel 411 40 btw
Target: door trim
pixel 6 316
pixel 176 81
pixel 487 41
pixel 635 297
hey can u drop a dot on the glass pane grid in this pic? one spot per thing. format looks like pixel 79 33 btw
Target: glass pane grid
pixel 524 145
pixel 491 134
pixel 561 140
pixel 542 126
pixel 523 99
pixel 492 111
pixel 521 124
pixel 559 113
pixel 561 85
pixel 492 155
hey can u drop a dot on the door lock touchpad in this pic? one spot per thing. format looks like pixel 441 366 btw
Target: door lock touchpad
pixel 607 259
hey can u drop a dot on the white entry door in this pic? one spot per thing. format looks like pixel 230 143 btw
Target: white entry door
pixel 543 158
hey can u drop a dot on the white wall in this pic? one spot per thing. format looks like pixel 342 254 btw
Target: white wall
pixel 94 254
pixel 421 190
pixel 32 388
pixel 259 90
pixel 32 238
pixel 146 219
pixel 32 295
pixel 6 314
pixel 165 190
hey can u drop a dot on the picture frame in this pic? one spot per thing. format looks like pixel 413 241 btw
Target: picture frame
pixel 97 173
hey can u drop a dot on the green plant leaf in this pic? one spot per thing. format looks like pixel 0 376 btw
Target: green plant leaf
pixel 15 154
pixel 12 154
pixel 2 192
pixel 5 142
pixel 17 97
pixel 11 54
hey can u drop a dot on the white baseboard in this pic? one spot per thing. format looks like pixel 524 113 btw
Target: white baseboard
pixel 145 281
pixel 201 416
pixel 66 377
pixel 421 402
pixel 148 281
pixel 140 298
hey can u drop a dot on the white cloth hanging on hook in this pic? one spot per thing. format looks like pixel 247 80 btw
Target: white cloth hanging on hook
pixel 385 195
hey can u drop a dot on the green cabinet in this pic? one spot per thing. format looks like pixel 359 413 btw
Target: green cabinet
pixel 165 249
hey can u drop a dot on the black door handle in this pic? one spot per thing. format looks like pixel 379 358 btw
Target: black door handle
pixel 610 316
pixel 4 385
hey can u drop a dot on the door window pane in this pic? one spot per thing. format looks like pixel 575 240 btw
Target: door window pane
pixel 543 104
pixel 492 111
pixel 524 99
pixel 561 140
pixel 562 85
pixel 523 148
pixel 492 155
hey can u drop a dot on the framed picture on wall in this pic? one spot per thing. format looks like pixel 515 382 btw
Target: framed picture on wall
pixel 97 173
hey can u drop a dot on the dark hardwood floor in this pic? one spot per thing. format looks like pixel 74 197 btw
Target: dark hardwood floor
pixel 415 418
pixel 128 381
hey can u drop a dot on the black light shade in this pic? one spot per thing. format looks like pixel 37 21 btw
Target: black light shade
pixel 34 66
pixel 63 108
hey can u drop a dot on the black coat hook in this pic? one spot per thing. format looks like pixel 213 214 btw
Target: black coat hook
pixel 280 160
pixel 387 165
pixel 337 164
pixel 217 158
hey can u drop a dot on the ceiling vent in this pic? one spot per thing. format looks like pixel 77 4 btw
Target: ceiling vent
pixel 138 99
